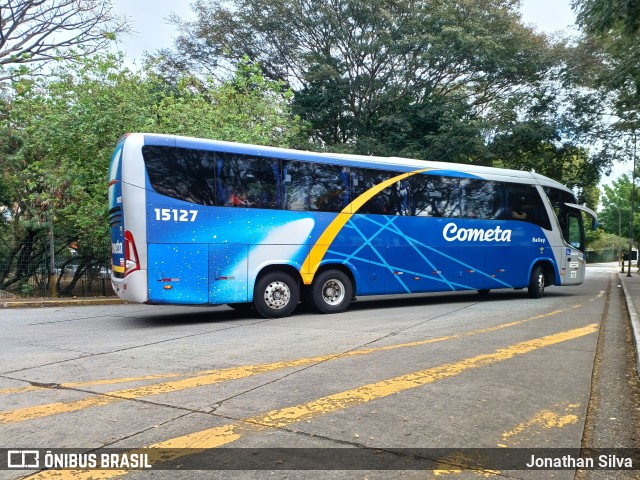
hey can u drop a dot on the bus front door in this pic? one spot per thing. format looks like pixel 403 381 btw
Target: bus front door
pixel 573 261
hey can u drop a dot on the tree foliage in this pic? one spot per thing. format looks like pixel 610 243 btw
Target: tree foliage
pixel 615 216
pixel 602 16
pixel 611 57
pixel 374 75
pixel 462 81
pixel 58 135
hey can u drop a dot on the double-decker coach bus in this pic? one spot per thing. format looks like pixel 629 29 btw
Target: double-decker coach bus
pixel 198 221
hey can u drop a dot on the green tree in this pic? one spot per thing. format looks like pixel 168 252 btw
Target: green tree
pixel 378 76
pixel 59 134
pixel 615 216
pixel 599 16
pixel 461 81
pixel 610 63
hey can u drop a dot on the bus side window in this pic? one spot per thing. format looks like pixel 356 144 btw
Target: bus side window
pixel 315 186
pixel 448 193
pixel 362 180
pixel 480 198
pixel 247 181
pixel 524 203
pixel 393 200
pixel 435 196
pixel 181 173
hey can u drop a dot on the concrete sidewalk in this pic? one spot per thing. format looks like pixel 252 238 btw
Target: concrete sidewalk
pixel 631 287
pixel 58 302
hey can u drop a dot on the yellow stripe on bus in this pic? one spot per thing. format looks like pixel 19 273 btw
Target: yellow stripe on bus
pixel 312 262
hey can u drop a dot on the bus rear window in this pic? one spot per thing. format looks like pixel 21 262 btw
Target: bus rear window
pixel 181 173
pixel 213 178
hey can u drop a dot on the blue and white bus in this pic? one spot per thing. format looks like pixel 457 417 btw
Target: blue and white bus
pixel 198 221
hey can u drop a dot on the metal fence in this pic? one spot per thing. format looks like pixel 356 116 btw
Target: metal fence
pixel 603 256
pixel 29 272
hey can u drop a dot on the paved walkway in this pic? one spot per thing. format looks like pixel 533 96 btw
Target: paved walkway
pixel 631 286
pixel 57 302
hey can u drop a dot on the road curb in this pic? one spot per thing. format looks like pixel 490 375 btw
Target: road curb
pixel 635 322
pixel 60 302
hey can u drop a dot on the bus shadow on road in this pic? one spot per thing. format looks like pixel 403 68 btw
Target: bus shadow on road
pixel 222 314
pixel 440 298
pixel 190 316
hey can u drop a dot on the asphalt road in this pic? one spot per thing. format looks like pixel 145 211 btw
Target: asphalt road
pixel 408 376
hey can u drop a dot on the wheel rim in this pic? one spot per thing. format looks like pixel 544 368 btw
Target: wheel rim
pixel 541 282
pixel 333 292
pixel 277 295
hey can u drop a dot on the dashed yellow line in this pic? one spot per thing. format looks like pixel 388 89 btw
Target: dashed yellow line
pixel 283 417
pixel 210 377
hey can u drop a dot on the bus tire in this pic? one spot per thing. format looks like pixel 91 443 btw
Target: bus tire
pixel 276 295
pixel 536 282
pixel 331 291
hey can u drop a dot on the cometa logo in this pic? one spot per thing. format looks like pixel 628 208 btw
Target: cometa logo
pixel 117 248
pixel 451 232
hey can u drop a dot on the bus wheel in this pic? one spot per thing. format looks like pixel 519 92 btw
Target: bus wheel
pixel 276 295
pixel 536 282
pixel 331 292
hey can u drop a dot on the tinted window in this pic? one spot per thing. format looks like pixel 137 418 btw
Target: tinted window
pixel 436 196
pixel 522 202
pixel 313 186
pixel 247 181
pixel 393 200
pixel 480 198
pixel 575 236
pixel 558 199
pixel 181 173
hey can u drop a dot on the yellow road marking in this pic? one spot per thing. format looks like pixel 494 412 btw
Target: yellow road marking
pixel 91 383
pixel 9 391
pixel 283 417
pixel 113 381
pixel 466 462
pixel 210 377
pixel 544 419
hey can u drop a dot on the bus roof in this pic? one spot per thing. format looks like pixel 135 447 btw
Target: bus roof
pixel 405 164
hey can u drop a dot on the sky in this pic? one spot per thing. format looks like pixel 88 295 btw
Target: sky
pixel 152 31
